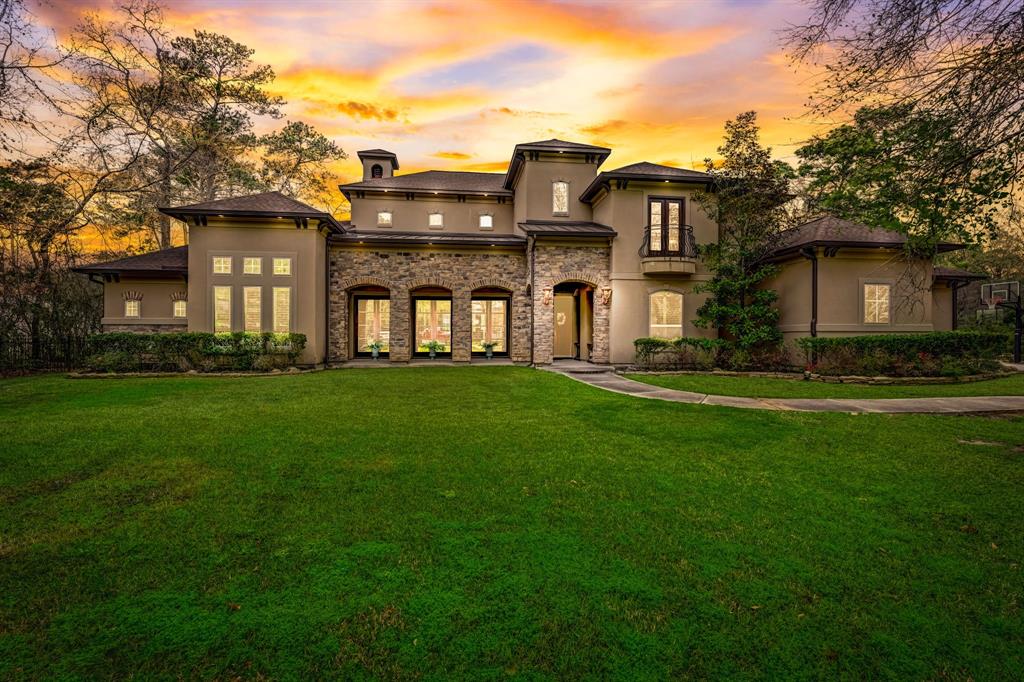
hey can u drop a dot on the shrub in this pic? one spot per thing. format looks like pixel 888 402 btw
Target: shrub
pixel 201 351
pixel 680 353
pixel 930 354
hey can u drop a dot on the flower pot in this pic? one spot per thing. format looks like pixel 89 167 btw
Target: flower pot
pixel 375 352
pixel 490 353
pixel 433 354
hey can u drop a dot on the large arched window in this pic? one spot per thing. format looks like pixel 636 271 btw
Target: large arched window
pixel 666 315
pixel 376 171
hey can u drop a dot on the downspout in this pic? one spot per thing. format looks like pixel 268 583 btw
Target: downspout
pixel 327 299
pixel 533 296
pixel 811 254
pixel 955 286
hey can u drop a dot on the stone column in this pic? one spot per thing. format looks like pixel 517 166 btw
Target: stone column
pixel 401 326
pixel 602 310
pixel 543 322
pixel 462 325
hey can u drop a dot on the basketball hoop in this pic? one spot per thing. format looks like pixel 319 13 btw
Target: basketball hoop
pixel 1006 295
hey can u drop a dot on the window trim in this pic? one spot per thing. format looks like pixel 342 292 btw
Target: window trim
pixel 415 332
pixel 568 193
pixel 435 227
pixel 682 312
pixel 664 201
pixel 864 284
pixel 508 324
pixel 273 266
pixel 356 298
pixel 245 262
pixel 391 220
pixel 213 265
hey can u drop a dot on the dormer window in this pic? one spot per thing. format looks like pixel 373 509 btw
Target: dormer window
pixel 486 221
pixel 376 171
pixel 436 221
pixel 384 218
pixel 560 197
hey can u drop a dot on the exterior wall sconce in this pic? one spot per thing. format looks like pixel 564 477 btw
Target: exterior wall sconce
pixel 606 295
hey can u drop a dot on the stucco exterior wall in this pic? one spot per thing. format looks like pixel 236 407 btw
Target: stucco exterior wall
pixel 411 215
pixel 533 199
pixel 555 262
pixel 156 298
pixel 401 270
pixel 942 307
pixel 266 239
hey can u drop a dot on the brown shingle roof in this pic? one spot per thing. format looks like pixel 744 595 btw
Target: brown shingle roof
pixel 593 152
pixel 447 182
pixel 643 170
pixel 542 228
pixel 833 231
pixel 939 272
pixel 172 261
pixel 266 204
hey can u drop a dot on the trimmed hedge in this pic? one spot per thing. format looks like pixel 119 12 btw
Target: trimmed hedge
pixel 930 354
pixel 683 352
pixel 184 351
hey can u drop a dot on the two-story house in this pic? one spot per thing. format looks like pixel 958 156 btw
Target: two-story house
pixel 555 258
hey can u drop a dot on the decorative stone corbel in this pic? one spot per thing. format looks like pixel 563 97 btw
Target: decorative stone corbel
pixel 606 295
pixel 546 300
pixel 179 296
pixel 130 295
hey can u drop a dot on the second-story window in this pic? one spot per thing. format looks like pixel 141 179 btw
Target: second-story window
pixel 560 197
pixel 435 221
pixel 252 265
pixel 665 218
pixel 486 221
pixel 384 218
pixel 282 266
pixel 222 265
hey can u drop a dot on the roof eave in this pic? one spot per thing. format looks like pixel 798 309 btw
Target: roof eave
pixel 245 213
pixel 604 180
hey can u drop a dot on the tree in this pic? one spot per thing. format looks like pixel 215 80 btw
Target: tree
pixel 294 162
pixel 960 62
pixel 749 198
pixel 900 169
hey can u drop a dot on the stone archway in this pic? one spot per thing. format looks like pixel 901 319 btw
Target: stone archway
pixel 559 265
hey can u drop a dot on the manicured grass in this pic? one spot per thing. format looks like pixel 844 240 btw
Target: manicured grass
pixel 496 522
pixel 758 387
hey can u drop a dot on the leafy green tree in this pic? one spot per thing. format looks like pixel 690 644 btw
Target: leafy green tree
pixel 749 198
pixel 295 162
pixel 899 169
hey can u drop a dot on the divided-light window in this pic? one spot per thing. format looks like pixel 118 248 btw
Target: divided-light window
pixel 222 265
pixel 252 302
pixel 180 309
pixel 133 308
pixel 876 303
pixel 435 221
pixel 282 266
pixel 384 219
pixel 252 266
pixel 222 309
pixel 282 309
pixel 486 221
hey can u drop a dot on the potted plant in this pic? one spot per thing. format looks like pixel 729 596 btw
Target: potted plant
pixel 489 348
pixel 375 347
pixel 434 347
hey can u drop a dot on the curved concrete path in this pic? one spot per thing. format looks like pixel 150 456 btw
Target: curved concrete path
pixel 610 381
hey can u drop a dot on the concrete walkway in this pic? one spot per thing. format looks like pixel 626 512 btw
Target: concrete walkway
pixel 616 383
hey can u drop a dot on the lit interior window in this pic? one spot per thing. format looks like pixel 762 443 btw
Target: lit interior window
pixel 666 315
pixel 252 300
pixel 436 220
pixel 486 221
pixel 876 303
pixel 253 266
pixel 384 218
pixel 282 309
pixel 180 309
pixel 132 308
pixel 560 197
pixel 222 309
pixel 222 265
pixel 282 266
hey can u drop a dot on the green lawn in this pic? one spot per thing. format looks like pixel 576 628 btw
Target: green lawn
pixel 758 387
pixel 496 522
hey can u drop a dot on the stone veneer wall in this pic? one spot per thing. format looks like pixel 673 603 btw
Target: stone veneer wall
pixel 554 264
pixel 401 271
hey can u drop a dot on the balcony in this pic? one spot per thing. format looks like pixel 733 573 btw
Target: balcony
pixel 668 251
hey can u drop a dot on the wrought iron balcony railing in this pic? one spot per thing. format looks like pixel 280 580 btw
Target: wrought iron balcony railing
pixel 668 242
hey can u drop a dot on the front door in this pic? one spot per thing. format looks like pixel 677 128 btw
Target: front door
pixel 565 326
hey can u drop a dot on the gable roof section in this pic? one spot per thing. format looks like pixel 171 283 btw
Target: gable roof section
pixel 830 231
pixel 556 228
pixel 642 171
pixel 592 152
pixel 442 182
pixel 167 262
pixel 264 205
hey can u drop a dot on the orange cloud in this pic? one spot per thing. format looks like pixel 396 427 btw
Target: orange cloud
pixel 458 156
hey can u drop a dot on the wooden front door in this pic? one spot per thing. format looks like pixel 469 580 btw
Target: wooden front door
pixel 565 326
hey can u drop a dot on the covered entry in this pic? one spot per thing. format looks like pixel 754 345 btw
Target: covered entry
pixel 574 321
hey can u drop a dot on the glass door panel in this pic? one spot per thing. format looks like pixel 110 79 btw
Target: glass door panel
pixel 433 323
pixel 490 323
pixel 373 323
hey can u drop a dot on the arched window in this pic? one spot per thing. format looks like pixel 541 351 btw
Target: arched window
pixel 666 315
pixel 376 171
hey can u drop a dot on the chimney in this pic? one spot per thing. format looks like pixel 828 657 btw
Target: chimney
pixel 378 163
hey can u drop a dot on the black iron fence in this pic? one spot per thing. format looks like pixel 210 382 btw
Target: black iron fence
pixel 25 354
pixel 675 242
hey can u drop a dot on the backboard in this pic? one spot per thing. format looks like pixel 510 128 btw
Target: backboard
pixel 994 294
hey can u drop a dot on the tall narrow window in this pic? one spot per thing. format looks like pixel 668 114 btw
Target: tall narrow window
pixel 490 325
pixel 282 309
pixel 486 221
pixel 876 303
pixel 282 266
pixel 222 309
pixel 560 197
pixel 384 218
pixel 435 221
pixel 252 265
pixel 666 315
pixel 665 217
pixel 373 323
pixel 179 309
pixel 252 301
pixel 133 308
pixel 222 265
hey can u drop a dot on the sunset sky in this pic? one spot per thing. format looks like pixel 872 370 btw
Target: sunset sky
pixel 454 85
